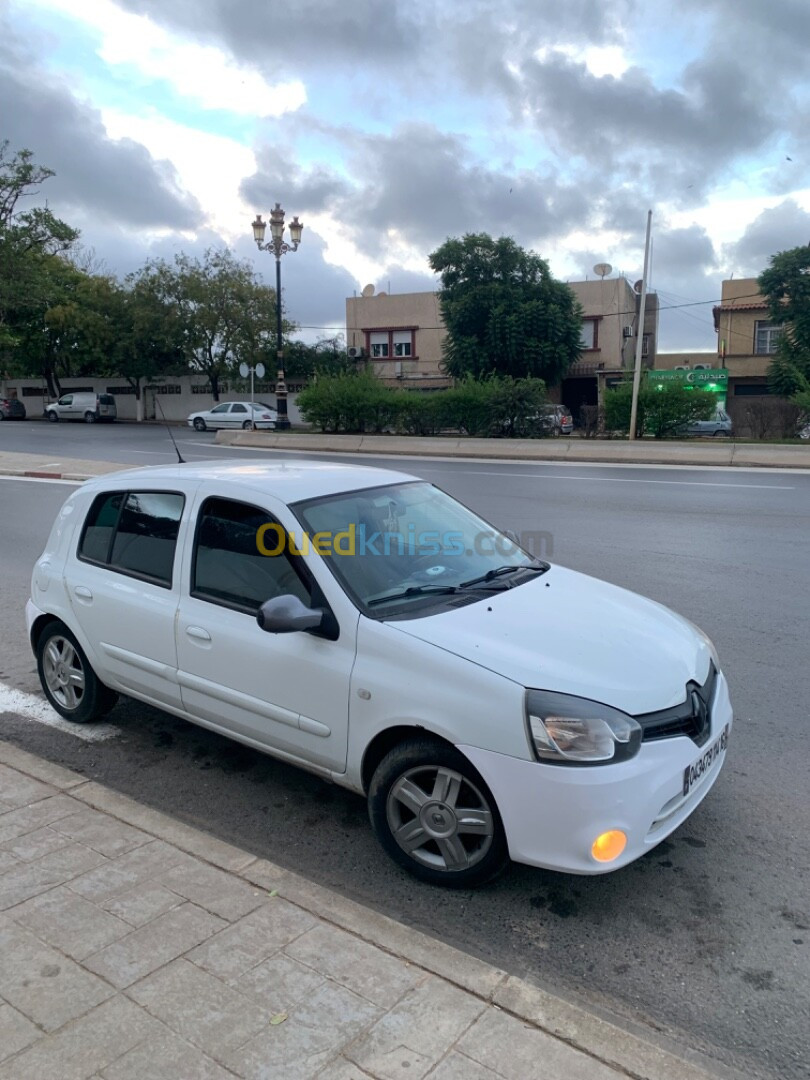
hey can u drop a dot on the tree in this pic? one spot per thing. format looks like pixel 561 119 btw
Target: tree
pixel 29 239
pixel 786 287
pixel 326 357
pixel 220 310
pixel 504 312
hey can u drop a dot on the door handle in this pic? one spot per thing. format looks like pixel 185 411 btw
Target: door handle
pixel 83 592
pixel 198 633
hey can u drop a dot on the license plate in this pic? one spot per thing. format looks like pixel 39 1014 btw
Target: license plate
pixel 695 772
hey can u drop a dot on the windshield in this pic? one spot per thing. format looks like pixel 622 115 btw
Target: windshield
pixel 406 547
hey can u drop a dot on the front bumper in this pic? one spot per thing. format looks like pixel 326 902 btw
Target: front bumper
pixel 552 814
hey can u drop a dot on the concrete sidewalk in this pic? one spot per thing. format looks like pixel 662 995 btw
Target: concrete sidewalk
pixel 44 466
pixel 719 453
pixel 135 947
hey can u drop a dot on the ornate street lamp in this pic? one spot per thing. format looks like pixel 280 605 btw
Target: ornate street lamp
pixel 279 247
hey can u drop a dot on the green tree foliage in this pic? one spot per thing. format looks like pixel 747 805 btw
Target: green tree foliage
pixel 662 411
pixel 786 287
pixel 361 403
pixel 216 307
pixel 504 312
pixel 30 239
pixel 325 357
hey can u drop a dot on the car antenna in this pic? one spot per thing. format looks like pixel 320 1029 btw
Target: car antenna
pixel 180 458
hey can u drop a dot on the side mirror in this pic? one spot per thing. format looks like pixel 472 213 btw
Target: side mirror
pixel 287 615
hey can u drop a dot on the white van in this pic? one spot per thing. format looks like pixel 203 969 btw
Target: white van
pixel 82 406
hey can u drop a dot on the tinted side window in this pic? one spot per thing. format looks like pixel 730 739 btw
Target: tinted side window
pixel 106 399
pixel 99 527
pixel 227 565
pixel 147 535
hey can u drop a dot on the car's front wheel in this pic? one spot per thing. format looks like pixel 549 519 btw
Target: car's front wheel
pixel 435 816
pixel 53 416
pixel 199 423
pixel 69 683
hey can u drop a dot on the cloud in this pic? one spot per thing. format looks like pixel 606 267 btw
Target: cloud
pixel 783 227
pixel 117 180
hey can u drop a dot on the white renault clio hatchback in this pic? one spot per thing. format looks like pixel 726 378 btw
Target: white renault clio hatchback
pixel 363 624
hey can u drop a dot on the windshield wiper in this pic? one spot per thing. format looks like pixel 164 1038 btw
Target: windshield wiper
pixel 501 571
pixel 415 590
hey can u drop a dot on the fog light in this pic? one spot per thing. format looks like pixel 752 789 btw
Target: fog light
pixel 609 845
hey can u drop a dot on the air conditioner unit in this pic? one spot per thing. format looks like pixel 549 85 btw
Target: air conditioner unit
pixel 702 367
pixel 627 331
pixel 355 352
pixel 682 367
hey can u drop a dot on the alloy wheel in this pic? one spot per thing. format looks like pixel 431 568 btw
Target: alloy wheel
pixel 64 672
pixel 440 818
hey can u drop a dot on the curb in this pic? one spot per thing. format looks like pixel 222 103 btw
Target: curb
pixel 639 1054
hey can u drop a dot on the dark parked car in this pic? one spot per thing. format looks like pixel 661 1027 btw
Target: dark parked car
pixel 11 409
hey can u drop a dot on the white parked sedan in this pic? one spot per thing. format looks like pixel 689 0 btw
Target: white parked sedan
pixel 363 624
pixel 234 414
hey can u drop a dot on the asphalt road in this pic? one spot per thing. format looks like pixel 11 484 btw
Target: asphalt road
pixel 707 938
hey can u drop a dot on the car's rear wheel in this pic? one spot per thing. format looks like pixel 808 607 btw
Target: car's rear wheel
pixel 68 680
pixel 53 416
pixel 199 423
pixel 435 816
pixel 247 425
pixel 89 417
pixel 718 432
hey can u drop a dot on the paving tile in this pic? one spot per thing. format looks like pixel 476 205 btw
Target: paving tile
pixel 119 875
pixel 43 984
pixel 69 922
pixel 279 983
pixel 17 789
pixel 8 860
pixel 167 1057
pixel 458 1067
pixel 16 1031
pixel 516 1050
pixel 308 1040
pixel 363 968
pixel 200 1008
pixel 33 845
pixel 153 945
pixel 85 1046
pixel 28 879
pixel 142 903
pixel 410 1039
pixel 252 939
pixel 28 818
pixel 214 890
pixel 101 832
pixel 343 1070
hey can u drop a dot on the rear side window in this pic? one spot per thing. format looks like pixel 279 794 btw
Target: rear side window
pixel 134 532
pixel 106 399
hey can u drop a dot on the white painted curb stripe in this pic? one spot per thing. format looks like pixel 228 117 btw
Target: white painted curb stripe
pixel 30 707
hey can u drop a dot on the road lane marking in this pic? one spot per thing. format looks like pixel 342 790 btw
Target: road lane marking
pixel 625 480
pixel 31 707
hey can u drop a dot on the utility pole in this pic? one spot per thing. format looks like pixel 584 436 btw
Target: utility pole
pixel 640 335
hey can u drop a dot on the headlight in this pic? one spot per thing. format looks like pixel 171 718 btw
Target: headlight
pixel 568 730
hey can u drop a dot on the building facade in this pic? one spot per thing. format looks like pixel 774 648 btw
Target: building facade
pixel 401 336
pixel 746 338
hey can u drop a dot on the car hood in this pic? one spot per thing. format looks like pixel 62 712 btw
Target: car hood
pixel 574 634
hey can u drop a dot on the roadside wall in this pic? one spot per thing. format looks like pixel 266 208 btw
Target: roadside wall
pixel 177 397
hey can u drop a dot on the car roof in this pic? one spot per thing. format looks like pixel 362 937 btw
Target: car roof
pixel 290 479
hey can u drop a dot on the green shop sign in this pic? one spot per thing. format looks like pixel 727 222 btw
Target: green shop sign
pixel 706 378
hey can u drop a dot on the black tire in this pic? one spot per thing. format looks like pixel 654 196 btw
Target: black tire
pixel 480 840
pixel 89 417
pixel 57 646
pixel 247 425
pixel 53 416
pixel 199 423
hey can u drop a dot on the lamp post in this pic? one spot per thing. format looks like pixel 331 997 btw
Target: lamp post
pixel 279 247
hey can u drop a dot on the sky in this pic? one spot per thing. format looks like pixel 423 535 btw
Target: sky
pixel 389 125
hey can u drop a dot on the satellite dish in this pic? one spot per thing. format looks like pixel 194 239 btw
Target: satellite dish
pixel 382 294
pixel 260 371
pixel 368 290
pixel 244 370
pixel 603 269
pixel 639 285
